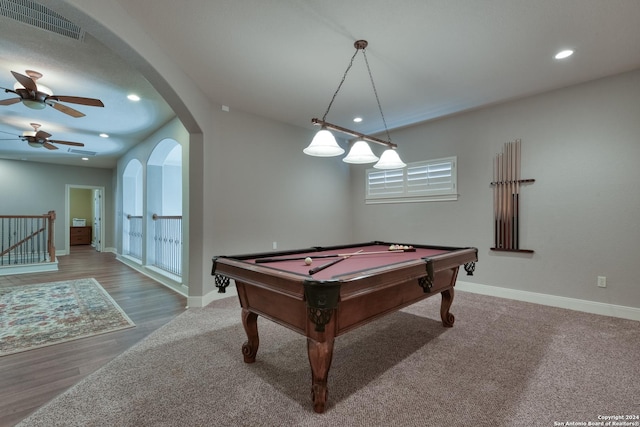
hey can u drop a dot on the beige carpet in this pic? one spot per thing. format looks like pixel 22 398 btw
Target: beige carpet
pixel 504 363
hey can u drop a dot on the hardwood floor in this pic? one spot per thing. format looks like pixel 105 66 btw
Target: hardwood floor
pixel 30 379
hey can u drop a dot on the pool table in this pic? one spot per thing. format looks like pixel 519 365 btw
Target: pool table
pixel 338 289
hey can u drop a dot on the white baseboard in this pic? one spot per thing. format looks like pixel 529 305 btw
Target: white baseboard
pixel 64 252
pixel 154 274
pixel 164 279
pixel 621 311
pixel 203 301
pixel 41 267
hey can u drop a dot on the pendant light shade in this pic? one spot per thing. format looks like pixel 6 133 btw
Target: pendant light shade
pixel 360 153
pixel 389 160
pixel 323 145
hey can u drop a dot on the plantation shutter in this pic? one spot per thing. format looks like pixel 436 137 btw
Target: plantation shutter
pixel 429 177
pixel 432 180
pixel 387 183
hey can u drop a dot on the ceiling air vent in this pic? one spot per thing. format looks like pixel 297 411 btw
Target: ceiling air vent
pixel 81 152
pixel 32 13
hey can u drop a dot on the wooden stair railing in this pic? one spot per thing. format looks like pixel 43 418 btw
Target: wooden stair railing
pixel 9 235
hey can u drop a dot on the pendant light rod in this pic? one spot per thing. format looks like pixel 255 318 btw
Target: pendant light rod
pixel 360 44
pixel 354 133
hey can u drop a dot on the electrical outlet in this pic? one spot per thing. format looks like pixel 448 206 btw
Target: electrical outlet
pixel 602 282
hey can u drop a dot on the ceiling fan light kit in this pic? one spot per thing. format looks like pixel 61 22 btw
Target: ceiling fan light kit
pixel 39 139
pixel 38 97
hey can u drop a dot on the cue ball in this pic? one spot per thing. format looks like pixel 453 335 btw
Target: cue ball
pixel 308 260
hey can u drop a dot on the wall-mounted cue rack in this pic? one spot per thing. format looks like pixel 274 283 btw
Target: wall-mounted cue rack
pixel 506 198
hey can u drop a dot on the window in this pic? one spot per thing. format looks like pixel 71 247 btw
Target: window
pixel 432 180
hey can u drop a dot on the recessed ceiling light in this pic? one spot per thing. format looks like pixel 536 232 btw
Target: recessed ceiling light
pixel 564 54
pixel 104 135
pixel 133 97
pixel 85 158
pixel 357 119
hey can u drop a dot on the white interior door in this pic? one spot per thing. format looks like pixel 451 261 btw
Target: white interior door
pixel 97 219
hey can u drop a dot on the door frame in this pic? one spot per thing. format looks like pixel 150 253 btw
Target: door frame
pixel 67 215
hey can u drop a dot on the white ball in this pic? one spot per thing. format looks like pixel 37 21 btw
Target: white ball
pixel 308 260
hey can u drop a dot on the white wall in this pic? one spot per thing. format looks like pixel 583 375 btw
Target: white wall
pixel 581 216
pixel 30 188
pixel 261 188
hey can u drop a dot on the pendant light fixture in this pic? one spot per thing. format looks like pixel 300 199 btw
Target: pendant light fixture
pixel 324 143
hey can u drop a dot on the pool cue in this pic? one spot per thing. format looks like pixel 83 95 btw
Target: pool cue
pixel 499 184
pixel 506 198
pixel 512 196
pixel 329 264
pixel 495 202
pixel 507 179
pixel 513 199
pixel 503 207
pixel 512 174
pixel 500 200
pixel 511 193
pixel 298 258
pixel 517 195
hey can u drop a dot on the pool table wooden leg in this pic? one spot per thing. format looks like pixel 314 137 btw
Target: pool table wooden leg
pixel 320 355
pixel 447 300
pixel 250 347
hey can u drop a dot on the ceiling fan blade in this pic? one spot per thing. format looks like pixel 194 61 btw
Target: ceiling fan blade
pixel 67 110
pixel 25 81
pixel 10 101
pixel 78 100
pixel 49 146
pixel 42 135
pixel 76 144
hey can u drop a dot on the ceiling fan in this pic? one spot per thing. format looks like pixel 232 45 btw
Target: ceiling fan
pixel 38 97
pixel 38 139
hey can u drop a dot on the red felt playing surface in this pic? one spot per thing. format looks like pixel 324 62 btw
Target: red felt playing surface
pixel 360 262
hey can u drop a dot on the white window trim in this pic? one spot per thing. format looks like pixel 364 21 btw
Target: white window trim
pixel 399 184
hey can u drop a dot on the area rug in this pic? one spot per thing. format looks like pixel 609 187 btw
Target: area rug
pixel 34 316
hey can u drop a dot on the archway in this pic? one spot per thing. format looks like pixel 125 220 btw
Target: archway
pixel 111 25
pixel 164 240
pixel 132 210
